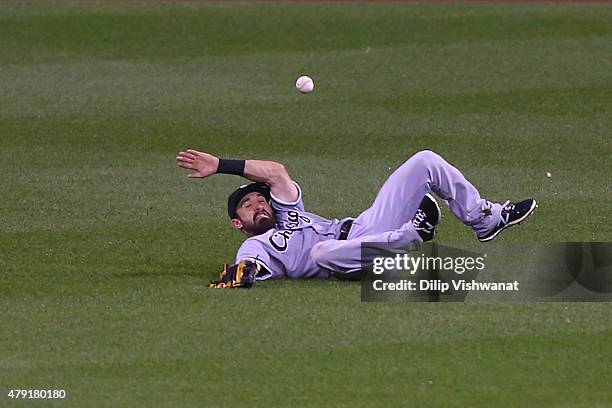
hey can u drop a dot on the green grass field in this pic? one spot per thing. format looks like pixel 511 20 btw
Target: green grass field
pixel 106 247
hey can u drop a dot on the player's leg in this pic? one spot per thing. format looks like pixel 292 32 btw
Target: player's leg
pixel 398 199
pixel 345 256
pixel 390 218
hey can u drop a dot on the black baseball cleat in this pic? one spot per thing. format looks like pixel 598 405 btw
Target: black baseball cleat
pixel 511 214
pixel 427 217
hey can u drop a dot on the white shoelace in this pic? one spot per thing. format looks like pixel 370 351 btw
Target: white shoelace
pixel 505 211
pixel 418 218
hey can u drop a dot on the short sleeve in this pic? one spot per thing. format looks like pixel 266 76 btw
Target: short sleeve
pixel 297 205
pixel 252 250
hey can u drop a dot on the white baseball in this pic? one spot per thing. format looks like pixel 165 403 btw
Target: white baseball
pixel 304 84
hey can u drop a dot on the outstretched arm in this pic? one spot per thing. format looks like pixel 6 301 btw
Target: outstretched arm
pixel 270 172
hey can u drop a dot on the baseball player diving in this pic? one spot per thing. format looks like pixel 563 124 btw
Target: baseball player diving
pixel 284 240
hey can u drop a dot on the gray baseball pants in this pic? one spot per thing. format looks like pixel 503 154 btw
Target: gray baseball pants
pixel 389 218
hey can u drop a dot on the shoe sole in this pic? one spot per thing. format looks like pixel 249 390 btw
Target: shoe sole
pixel 517 221
pixel 431 197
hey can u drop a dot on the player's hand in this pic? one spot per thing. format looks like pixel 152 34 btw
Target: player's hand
pixel 203 164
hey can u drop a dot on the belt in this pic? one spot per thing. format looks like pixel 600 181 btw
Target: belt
pixel 345 229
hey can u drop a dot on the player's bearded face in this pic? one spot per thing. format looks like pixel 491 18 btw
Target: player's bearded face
pixel 255 214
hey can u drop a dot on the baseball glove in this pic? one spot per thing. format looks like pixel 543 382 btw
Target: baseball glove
pixel 240 275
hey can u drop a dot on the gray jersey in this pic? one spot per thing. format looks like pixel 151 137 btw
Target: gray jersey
pixel 284 251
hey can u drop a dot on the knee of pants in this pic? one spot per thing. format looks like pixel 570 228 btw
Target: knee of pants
pixel 322 254
pixel 426 158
